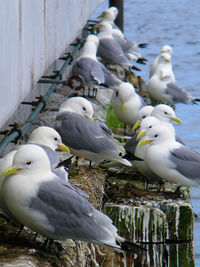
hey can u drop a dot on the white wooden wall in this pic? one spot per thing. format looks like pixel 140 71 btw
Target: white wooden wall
pixel 33 34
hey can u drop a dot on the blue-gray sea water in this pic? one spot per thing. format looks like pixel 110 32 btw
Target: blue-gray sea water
pixel 176 23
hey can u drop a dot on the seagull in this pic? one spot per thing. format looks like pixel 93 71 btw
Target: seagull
pixel 126 103
pixel 49 140
pixel 164 65
pixel 162 89
pixel 140 151
pixel 91 71
pixel 129 47
pixel 84 137
pixel 109 15
pixel 110 50
pixel 165 49
pixel 171 160
pixel 162 114
pixel 46 205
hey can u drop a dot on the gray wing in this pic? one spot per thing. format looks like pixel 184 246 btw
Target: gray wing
pixel 110 78
pixel 187 162
pixel 142 102
pixel 81 133
pixel 179 140
pixel 52 155
pixel 71 215
pixel 177 94
pixel 89 69
pixel 104 127
pixel 112 52
pixel 61 172
pixel 126 45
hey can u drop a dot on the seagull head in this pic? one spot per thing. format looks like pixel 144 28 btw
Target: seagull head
pixel 146 125
pixel 109 14
pixel 164 58
pixel 29 158
pixel 167 49
pixel 165 113
pixel 79 105
pixel 157 135
pixel 124 92
pixel 49 137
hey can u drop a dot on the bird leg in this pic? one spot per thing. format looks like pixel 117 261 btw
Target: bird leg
pixel 124 129
pixel 94 92
pixel 161 187
pixel 20 229
pixel 47 244
pixel 146 184
pixel 35 236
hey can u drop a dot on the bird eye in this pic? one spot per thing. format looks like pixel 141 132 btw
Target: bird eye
pixel 84 108
pixel 165 112
pixel 55 138
pixel 150 126
pixel 155 135
pixel 28 163
pixel 144 117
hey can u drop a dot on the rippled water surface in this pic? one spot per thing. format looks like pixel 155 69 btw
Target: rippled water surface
pixel 176 23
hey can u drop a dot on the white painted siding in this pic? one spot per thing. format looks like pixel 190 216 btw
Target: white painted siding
pixel 33 34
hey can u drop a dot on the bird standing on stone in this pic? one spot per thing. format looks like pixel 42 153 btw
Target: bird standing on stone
pixel 165 49
pixel 84 137
pixel 110 50
pixel 91 71
pixel 45 203
pixel 126 103
pixel 169 159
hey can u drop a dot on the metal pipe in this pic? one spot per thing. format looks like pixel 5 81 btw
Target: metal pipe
pixel 120 18
pixel 15 134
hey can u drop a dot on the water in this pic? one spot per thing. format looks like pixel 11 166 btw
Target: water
pixel 176 23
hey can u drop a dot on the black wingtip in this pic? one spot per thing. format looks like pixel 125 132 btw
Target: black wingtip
pixel 143 45
pixel 132 247
pixel 135 68
pixel 130 156
pixel 141 60
pixel 65 163
pixel 104 85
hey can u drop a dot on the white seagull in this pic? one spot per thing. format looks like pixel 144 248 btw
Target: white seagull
pixel 84 137
pixel 45 203
pixel 171 160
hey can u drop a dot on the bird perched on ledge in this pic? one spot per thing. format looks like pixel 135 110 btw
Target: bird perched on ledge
pixel 83 136
pixel 45 203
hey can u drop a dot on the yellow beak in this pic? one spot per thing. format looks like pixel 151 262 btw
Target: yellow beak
pixel 90 118
pixel 144 142
pixel 123 106
pixel 177 120
pixel 101 15
pixel 64 148
pixel 10 170
pixel 162 51
pixel 96 27
pixel 136 125
pixel 140 135
pixel 168 60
